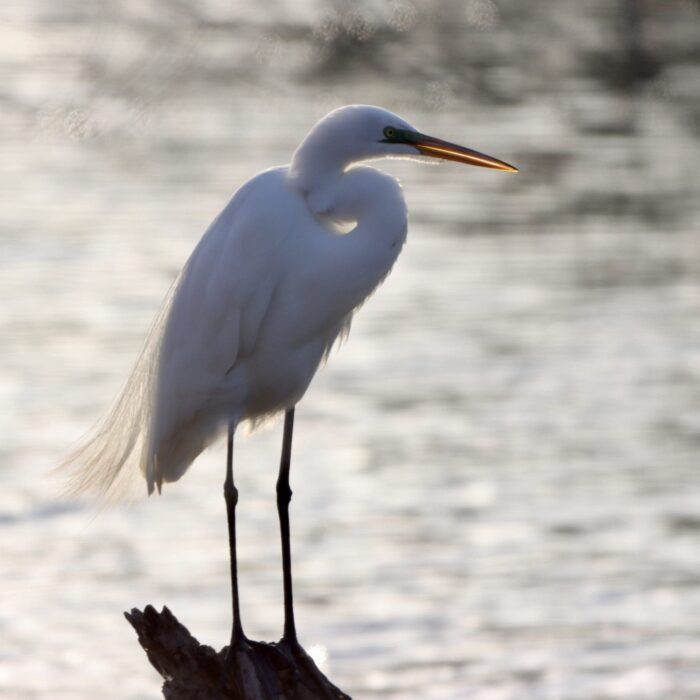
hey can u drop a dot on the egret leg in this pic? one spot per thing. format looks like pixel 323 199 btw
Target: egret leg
pixel 284 496
pixel 231 496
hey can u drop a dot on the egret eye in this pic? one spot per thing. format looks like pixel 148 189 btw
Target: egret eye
pixel 389 132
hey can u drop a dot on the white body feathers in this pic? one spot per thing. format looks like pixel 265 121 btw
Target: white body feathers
pixel 260 302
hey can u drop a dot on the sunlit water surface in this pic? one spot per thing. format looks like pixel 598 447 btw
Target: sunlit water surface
pixel 496 487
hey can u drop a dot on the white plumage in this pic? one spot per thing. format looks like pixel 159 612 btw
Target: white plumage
pixel 261 300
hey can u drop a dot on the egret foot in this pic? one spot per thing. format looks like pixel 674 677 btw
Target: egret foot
pixel 310 672
pixel 249 671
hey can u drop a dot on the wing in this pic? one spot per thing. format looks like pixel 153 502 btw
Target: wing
pixel 210 319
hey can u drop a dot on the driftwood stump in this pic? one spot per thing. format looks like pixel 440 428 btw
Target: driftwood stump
pixel 257 671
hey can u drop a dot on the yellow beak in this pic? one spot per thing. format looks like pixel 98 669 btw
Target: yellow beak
pixel 437 148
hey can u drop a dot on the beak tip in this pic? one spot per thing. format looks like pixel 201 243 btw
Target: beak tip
pixel 437 148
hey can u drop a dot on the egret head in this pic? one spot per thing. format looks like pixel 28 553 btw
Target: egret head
pixel 362 132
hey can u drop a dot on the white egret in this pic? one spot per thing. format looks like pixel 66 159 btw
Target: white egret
pixel 259 304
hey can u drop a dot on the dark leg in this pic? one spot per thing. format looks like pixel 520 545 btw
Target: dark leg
pixel 231 496
pixel 284 496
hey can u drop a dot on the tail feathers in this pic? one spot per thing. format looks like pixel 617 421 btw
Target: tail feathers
pixel 102 466
pixel 107 463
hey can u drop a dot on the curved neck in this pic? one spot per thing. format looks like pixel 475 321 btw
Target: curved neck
pixel 375 201
pixel 316 173
pixel 359 260
pixel 352 265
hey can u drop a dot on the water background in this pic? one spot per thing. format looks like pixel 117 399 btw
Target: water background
pixel 496 482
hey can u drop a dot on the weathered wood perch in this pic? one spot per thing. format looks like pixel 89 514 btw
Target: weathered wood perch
pixel 258 671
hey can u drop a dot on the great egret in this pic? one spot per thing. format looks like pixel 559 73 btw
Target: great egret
pixel 259 304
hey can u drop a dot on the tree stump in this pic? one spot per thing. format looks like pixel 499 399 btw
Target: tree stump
pixel 253 671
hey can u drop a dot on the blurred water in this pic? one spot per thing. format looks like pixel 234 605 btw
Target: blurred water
pixel 496 483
